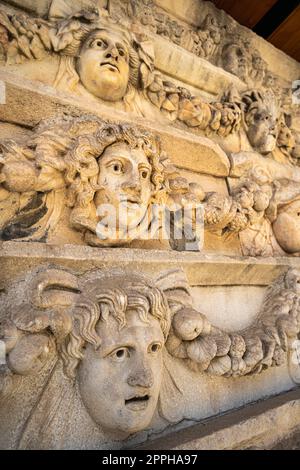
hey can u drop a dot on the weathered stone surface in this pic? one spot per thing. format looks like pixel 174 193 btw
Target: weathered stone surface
pixel 202 270
pixel 53 314
pixel 188 151
pixel 274 418
pixel 149 239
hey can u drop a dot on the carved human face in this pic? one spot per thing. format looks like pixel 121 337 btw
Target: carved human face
pixel 120 382
pixel 263 130
pixel 287 228
pixel 235 60
pixel 125 179
pixel 103 65
pixel 258 63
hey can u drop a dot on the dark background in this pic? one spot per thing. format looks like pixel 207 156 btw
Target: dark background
pixel 278 21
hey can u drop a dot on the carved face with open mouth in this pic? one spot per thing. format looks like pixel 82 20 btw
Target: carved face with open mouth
pixel 103 65
pixel 125 182
pixel 120 381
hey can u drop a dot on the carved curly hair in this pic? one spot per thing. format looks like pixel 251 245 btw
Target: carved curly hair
pixel 74 146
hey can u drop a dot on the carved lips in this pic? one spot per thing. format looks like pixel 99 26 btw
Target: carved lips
pixel 137 402
pixel 112 65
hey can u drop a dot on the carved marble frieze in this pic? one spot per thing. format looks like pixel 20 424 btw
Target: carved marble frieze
pixel 61 182
pixel 111 163
pixel 127 79
pixel 95 346
pixel 126 76
pixel 84 165
pixel 217 38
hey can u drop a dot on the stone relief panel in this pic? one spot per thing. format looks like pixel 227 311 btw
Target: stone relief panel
pixel 75 44
pixel 106 357
pixel 95 345
pixel 114 180
pixel 126 76
pixel 90 182
pixel 218 39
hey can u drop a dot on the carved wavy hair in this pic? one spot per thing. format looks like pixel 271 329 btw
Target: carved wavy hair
pixel 87 30
pixel 98 304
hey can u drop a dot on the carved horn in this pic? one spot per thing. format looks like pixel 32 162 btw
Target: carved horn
pixel 54 287
pixel 50 293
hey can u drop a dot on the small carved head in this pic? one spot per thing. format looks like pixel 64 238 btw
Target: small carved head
pixel 262 115
pixel 235 59
pixel 107 63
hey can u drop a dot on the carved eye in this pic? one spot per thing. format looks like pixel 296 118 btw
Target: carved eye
pixel 98 43
pixel 117 168
pixel 120 354
pixel 122 52
pixel 145 174
pixel 155 348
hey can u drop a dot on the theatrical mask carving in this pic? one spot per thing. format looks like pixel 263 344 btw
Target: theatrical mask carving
pixel 262 116
pixel 97 340
pixel 99 58
pixel 104 183
pixel 235 60
pixel 109 176
pixel 103 64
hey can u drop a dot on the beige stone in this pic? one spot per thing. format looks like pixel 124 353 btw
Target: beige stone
pixel 274 418
pixel 67 326
pixel 178 329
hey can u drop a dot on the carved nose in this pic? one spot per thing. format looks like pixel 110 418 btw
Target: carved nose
pixel 113 53
pixel 133 187
pixel 141 378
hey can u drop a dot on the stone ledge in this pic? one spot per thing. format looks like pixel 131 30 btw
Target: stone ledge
pixel 193 12
pixel 201 269
pixel 182 65
pixel 257 426
pixel 27 103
